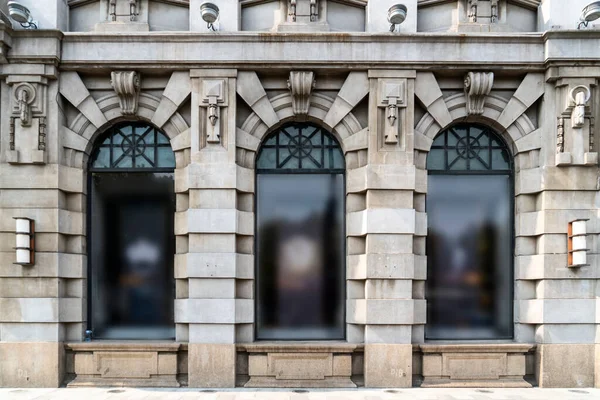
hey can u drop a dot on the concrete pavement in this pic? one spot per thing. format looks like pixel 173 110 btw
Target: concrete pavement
pixel 298 394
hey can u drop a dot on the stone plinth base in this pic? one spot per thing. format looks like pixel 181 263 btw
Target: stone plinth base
pixel 305 364
pixel 211 365
pixel 31 364
pixel 388 365
pixel 475 365
pixel 124 364
pixel 566 365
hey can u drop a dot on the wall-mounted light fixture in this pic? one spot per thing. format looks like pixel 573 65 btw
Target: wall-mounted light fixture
pixel 25 233
pixel 396 15
pixel 21 14
pixel 210 14
pixel 590 13
pixel 577 244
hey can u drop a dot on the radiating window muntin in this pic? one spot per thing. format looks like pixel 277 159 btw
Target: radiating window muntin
pixel 134 145
pixel 131 206
pixel 469 286
pixel 300 235
pixel 300 148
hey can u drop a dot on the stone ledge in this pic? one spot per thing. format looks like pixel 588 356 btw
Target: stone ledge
pixel 476 348
pixel 300 347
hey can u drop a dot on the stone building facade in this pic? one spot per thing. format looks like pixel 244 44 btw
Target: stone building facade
pixel 516 72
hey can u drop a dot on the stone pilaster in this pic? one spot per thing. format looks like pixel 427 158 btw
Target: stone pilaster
pixel 42 304
pixel 214 234
pixel 562 302
pixel 386 301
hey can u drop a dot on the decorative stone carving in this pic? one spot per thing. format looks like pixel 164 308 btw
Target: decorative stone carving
pixel 579 96
pixel 392 94
pixel 472 10
pixel 314 10
pixel 133 10
pixel 27 120
pixel 477 86
pixel 213 97
pixel 127 86
pixel 112 10
pixel 24 95
pixel 494 6
pixel 301 84
pixel 292 11
pixel 575 141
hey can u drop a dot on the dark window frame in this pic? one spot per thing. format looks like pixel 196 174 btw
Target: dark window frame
pixel 91 170
pixel 510 172
pixel 335 144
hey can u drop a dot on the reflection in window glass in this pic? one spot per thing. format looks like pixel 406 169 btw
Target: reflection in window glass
pixel 131 248
pixel 469 240
pixel 131 240
pixel 300 236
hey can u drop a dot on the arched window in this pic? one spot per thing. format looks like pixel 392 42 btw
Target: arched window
pixel 300 235
pixel 130 234
pixel 470 235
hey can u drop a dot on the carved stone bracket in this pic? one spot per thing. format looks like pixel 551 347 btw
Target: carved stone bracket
pixel 477 86
pixel 560 135
pixel 213 98
pixel 392 95
pixel 301 84
pixel 127 86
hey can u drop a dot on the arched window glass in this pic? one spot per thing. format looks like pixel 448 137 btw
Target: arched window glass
pixel 300 235
pixel 130 234
pixel 136 146
pixel 470 235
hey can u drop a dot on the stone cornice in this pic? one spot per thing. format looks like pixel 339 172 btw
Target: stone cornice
pixel 6 33
pixel 163 50
pixel 36 46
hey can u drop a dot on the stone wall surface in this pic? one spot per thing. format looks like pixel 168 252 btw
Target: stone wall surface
pixel 189 77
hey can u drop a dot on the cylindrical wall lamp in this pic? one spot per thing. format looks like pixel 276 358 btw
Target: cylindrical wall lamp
pixel 25 231
pixel 577 244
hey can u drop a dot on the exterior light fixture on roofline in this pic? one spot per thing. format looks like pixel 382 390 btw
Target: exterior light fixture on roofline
pixel 210 14
pixel 396 15
pixel 21 14
pixel 591 12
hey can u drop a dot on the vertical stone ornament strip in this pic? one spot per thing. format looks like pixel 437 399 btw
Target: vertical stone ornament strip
pixel 292 11
pixel 301 84
pixel 127 86
pixel 133 10
pixel 12 134
pixel 472 11
pixel 560 135
pixel 42 134
pixel 495 11
pixel 477 86
pixel 213 98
